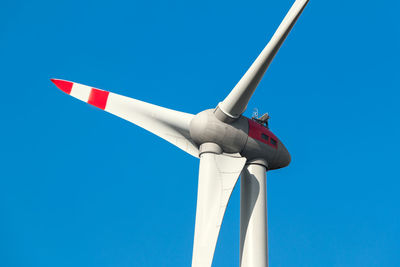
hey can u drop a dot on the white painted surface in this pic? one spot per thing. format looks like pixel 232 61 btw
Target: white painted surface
pixel 81 91
pixel 218 175
pixel 253 217
pixel 171 125
pixel 236 102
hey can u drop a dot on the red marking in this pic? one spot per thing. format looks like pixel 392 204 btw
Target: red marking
pixel 256 130
pixel 98 98
pixel 64 86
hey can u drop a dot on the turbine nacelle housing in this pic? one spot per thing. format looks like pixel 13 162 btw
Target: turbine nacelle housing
pixel 243 135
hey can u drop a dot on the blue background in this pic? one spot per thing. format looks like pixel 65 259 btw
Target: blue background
pixel 80 187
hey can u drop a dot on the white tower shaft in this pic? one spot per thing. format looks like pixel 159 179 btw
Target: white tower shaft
pixel 253 217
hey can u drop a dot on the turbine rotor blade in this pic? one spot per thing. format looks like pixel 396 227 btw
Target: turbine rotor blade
pixel 218 175
pixel 236 102
pixel 171 125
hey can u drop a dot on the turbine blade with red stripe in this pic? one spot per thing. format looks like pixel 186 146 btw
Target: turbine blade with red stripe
pixel 171 125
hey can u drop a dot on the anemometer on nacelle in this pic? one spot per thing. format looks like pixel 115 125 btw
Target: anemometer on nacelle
pixel 263 120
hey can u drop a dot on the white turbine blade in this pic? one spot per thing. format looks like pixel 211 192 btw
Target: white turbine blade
pixel 218 175
pixel 236 102
pixel 168 124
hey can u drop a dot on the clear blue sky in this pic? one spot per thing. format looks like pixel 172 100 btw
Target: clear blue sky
pixel 79 187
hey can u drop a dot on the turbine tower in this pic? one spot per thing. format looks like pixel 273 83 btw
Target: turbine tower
pixel 228 145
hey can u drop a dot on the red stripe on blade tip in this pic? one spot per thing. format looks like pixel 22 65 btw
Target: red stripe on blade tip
pixel 64 86
pixel 98 98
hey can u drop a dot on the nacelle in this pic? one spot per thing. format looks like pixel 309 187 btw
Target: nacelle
pixel 245 136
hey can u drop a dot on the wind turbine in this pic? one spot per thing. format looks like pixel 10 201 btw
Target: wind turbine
pixel 228 145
